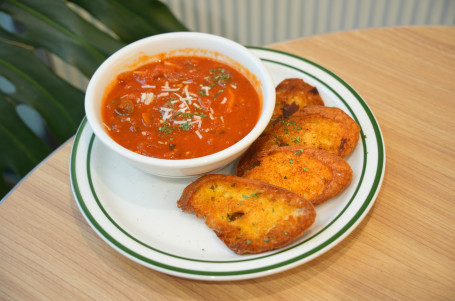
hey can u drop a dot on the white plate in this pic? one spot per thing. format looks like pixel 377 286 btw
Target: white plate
pixel 137 215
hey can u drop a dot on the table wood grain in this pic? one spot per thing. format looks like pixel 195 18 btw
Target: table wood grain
pixel 402 250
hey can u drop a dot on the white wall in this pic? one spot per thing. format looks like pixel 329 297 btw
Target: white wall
pixel 263 22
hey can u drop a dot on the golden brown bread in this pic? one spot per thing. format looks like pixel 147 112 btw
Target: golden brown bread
pixel 321 127
pixel 315 174
pixel 293 94
pixel 249 216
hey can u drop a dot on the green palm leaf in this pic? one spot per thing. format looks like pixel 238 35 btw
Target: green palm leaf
pixel 20 148
pixel 134 19
pixel 54 26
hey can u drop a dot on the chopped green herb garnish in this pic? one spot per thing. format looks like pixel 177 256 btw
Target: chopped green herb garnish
pixel 186 126
pixel 220 75
pixel 164 128
pixel 218 93
pixel 251 195
pixel 298 152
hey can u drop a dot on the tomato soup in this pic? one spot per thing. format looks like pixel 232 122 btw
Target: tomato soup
pixel 180 107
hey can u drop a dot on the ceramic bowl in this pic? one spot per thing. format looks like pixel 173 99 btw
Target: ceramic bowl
pixel 132 56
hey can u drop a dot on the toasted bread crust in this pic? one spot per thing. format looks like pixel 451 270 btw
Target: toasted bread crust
pixel 321 127
pixel 315 174
pixel 249 216
pixel 293 94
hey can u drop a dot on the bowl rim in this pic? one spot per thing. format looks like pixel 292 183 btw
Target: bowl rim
pixel 241 145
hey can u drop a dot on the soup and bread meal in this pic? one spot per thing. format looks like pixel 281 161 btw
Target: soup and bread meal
pixel 294 166
pixel 180 108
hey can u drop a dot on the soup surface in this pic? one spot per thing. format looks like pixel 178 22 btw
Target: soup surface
pixel 180 107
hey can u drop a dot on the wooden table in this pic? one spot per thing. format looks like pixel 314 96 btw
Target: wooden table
pixel 403 249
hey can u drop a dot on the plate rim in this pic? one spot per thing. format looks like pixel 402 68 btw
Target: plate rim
pixel 339 235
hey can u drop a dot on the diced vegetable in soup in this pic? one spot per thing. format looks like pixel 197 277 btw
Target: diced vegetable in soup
pixel 180 107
